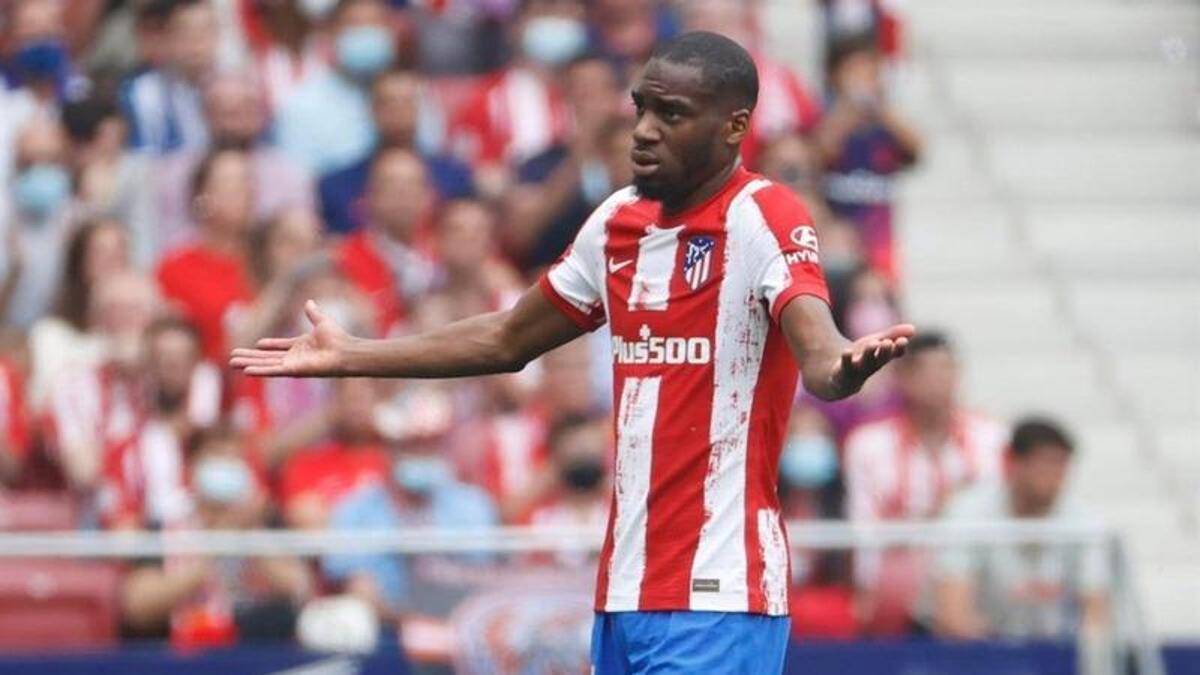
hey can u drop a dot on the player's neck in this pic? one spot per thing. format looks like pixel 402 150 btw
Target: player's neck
pixel 702 193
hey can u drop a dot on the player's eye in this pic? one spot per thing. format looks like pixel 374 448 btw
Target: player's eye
pixel 672 115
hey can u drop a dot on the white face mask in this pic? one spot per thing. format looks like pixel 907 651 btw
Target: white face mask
pixel 316 10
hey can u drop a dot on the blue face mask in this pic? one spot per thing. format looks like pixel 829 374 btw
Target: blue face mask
pixel 365 51
pixel 420 475
pixel 594 182
pixel 41 60
pixel 224 480
pixel 808 462
pixel 40 189
pixel 553 41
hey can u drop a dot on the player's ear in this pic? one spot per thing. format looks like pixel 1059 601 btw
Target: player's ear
pixel 739 125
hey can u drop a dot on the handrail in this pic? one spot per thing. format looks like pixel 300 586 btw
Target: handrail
pixel 416 541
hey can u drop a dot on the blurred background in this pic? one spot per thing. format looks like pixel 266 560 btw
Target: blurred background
pixel 1020 179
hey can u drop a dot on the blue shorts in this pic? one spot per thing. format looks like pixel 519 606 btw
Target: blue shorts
pixel 662 643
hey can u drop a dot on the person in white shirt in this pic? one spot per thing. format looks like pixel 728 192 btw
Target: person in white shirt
pixel 907 465
pixel 1028 591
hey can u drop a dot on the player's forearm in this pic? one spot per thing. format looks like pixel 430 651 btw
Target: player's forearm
pixel 475 346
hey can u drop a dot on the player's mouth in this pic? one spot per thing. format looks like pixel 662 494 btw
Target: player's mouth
pixel 644 163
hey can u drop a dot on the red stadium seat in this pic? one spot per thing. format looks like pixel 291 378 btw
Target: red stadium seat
pixel 57 604
pixel 29 511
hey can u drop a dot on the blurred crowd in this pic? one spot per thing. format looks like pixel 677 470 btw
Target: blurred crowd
pixel 178 176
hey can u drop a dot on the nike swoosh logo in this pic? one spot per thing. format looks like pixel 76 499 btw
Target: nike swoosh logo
pixel 614 266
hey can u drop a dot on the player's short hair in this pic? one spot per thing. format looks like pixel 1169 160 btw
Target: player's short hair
pixel 1036 432
pixel 928 341
pixel 726 67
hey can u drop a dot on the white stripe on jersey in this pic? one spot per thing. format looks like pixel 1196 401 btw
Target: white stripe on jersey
pixel 740 336
pixel 655 266
pixel 579 278
pixel 775 561
pixel 635 419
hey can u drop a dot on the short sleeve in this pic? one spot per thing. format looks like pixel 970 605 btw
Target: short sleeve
pixel 575 283
pixel 785 252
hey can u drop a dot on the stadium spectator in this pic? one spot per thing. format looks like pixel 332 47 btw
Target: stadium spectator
pixel 209 280
pixel 95 411
pixel 66 338
pixel 580 462
pixel 36 233
pixel 203 602
pixel 1031 591
pixel 144 482
pixel 423 492
pixel 793 159
pixel 112 179
pixel 236 118
pixel 518 112
pixel 14 429
pixel 785 103
pixel 389 259
pixel 315 481
pixel 38 60
pixel 325 125
pixel 864 142
pixel 163 103
pixel 907 465
pixel 822 598
pixel 626 31
pixel 400 110
pixel 558 188
pixel 287 47
pixel 473 275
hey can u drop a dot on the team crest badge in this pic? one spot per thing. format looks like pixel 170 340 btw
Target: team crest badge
pixel 697 262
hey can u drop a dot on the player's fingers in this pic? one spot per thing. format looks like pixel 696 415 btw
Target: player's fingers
pixel 903 330
pixel 249 361
pixel 267 371
pixel 313 312
pixel 246 352
pixel 280 344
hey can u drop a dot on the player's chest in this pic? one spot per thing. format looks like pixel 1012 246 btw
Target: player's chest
pixel 663 269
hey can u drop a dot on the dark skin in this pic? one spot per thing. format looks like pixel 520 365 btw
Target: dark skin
pixel 686 145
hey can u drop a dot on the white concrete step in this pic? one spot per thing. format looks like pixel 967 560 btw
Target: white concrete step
pixel 1073 96
pixel 1125 318
pixel 1113 240
pixel 1062 384
pixel 1075 29
pixel 991 317
pixel 1144 167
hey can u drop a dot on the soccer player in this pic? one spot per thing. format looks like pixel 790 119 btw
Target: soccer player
pixel 709 279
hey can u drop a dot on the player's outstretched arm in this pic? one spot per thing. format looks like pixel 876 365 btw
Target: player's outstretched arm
pixel 496 342
pixel 831 366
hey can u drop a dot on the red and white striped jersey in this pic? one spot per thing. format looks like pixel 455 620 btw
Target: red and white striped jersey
pixel 703 383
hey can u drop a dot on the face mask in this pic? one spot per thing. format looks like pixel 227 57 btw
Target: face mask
pixel 420 475
pixel 366 51
pixel 41 60
pixel 582 475
pixel 317 10
pixel 808 461
pixel 40 189
pixel 224 480
pixel 553 41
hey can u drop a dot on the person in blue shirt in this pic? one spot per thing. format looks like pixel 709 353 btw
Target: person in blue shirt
pixel 424 493
pixel 397 115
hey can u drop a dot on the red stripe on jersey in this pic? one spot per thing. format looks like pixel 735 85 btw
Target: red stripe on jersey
pixel 676 509
pixel 606 550
pixel 769 417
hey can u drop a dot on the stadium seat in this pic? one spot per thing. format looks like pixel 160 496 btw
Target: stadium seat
pixel 57 604
pixel 29 511
pixel 1122 241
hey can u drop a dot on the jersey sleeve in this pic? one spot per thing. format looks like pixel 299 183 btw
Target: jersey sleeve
pixel 785 252
pixel 576 282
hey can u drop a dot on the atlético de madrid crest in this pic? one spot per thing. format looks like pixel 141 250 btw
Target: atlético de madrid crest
pixel 697 262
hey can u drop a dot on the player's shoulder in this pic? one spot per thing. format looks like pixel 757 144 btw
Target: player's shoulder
pixel 774 204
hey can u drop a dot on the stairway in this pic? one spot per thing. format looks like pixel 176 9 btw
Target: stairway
pixel 1054 229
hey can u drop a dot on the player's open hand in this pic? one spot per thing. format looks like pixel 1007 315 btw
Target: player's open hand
pixel 866 355
pixel 314 354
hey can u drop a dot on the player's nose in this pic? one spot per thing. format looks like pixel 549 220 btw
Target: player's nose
pixel 646 132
